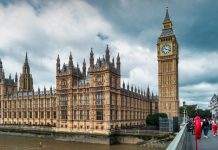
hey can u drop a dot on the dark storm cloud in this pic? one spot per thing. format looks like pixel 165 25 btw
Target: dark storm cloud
pixel 194 21
pixel 132 18
pixel 196 25
pixel 102 36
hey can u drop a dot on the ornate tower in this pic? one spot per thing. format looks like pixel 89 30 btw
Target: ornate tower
pixel 168 56
pixel 1 69
pixel 1 80
pixel 26 80
pixel 84 69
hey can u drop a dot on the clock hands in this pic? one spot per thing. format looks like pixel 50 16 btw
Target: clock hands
pixel 166 49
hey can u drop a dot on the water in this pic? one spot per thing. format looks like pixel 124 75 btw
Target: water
pixel 9 142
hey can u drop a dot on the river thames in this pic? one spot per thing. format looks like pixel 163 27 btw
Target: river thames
pixel 9 142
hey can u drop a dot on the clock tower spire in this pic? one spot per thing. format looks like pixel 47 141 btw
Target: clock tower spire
pixel 168 59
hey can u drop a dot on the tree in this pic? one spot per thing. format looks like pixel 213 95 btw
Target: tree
pixel 204 113
pixel 192 111
pixel 153 119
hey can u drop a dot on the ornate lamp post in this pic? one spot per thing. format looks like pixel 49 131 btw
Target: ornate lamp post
pixel 184 113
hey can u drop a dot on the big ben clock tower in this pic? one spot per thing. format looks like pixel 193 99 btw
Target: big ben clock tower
pixel 168 59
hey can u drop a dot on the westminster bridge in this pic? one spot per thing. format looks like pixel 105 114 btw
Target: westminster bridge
pixel 186 141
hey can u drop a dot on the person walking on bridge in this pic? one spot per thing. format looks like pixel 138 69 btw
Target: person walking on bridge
pixel 214 126
pixel 205 127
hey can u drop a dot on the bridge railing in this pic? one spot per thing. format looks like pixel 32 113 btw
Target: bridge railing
pixel 179 142
pixel 139 131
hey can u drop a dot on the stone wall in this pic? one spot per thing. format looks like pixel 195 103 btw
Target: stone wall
pixel 47 132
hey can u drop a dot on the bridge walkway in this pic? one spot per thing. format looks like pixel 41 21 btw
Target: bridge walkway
pixel 210 143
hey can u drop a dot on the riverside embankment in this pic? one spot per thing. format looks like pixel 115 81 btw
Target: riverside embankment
pixel 141 137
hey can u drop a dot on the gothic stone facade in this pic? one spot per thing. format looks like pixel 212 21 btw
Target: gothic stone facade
pixel 168 59
pixel 87 101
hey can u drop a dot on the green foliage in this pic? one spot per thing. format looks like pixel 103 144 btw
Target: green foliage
pixel 153 119
pixel 192 111
pixel 204 113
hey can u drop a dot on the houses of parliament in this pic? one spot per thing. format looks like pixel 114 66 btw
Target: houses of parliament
pixel 91 98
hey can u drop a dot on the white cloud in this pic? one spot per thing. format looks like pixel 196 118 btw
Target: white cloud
pixel 196 66
pixel 60 27
pixel 139 64
pixel 64 27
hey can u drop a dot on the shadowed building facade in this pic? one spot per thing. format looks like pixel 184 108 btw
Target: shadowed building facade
pixel 87 100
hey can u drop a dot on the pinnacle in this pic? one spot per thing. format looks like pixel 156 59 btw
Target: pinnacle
pixel 26 58
pixel 167 16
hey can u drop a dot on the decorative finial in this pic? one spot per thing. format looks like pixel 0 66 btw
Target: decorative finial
pixel 167 4
pixel 26 58
pixel 70 57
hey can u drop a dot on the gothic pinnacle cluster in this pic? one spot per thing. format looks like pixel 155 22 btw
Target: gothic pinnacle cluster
pixel 102 64
pixel 105 63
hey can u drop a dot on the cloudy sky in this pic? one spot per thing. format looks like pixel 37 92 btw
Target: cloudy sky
pixel 131 27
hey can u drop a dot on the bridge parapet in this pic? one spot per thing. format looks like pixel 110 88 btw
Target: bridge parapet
pixel 180 141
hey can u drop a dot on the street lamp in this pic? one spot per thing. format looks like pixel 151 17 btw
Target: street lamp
pixel 184 114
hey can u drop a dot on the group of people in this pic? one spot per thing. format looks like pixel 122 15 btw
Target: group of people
pixel 206 125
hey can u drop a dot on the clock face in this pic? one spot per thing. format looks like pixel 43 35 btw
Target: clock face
pixel 166 49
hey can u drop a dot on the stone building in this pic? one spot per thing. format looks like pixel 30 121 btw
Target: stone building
pixel 168 60
pixel 87 100
pixel 214 106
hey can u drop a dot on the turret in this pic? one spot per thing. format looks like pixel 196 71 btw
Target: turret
pixel 50 89
pixel 58 65
pixel 152 96
pixel 44 90
pixel 26 68
pixel 16 78
pixel 3 74
pixel 107 55
pixel 70 64
pixel 118 63
pixel 123 85
pixel 26 80
pixel 64 67
pixel 84 69
pixel 91 59
pixel 1 69
pixel 38 91
pixel 148 93
pixel 113 62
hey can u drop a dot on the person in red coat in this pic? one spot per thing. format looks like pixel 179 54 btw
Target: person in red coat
pixel 214 126
pixel 197 121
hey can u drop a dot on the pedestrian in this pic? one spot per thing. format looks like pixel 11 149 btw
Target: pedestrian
pixel 193 127
pixel 214 126
pixel 205 127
